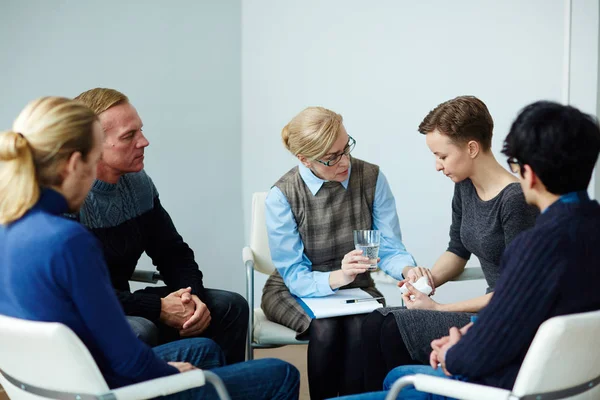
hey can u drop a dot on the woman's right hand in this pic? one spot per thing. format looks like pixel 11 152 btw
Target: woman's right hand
pixel 354 263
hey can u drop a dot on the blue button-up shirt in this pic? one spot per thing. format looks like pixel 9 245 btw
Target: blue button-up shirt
pixel 287 249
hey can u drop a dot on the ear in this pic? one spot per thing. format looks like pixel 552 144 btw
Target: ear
pixel 473 148
pixel 530 178
pixel 304 161
pixel 72 164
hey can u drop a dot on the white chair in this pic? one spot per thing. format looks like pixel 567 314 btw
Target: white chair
pixel 47 360
pixel 561 363
pixel 263 333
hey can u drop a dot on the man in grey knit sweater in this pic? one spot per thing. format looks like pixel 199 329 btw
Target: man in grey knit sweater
pixel 124 211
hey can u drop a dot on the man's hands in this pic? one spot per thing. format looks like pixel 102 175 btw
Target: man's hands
pixel 199 321
pixel 173 311
pixel 440 347
pixel 184 311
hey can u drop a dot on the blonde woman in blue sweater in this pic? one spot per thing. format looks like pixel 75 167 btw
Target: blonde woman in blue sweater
pixel 53 269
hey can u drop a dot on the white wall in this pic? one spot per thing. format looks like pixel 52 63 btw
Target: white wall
pixel 204 74
pixel 383 65
pixel 179 63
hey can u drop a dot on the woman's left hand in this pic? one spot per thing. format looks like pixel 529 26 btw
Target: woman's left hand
pixel 420 301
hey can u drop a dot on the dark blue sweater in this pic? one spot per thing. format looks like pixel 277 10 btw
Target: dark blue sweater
pixel 52 269
pixel 552 269
pixel 128 220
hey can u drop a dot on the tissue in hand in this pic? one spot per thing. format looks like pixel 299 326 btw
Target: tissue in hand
pixel 422 285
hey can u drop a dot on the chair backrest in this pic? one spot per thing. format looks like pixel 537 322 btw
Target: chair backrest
pixel 564 353
pixel 46 355
pixel 259 242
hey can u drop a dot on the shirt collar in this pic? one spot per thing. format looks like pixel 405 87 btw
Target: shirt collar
pixel 574 197
pixel 570 198
pixel 315 183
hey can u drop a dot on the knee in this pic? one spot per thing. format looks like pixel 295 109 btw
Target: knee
pixel 144 329
pixel 228 304
pixel 239 303
pixel 285 374
pixel 372 323
pixel 203 353
pixel 324 331
pixel 396 374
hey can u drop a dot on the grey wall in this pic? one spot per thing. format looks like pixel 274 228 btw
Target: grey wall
pixel 179 63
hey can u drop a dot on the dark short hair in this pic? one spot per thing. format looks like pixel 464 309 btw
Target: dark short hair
pixel 463 118
pixel 559 143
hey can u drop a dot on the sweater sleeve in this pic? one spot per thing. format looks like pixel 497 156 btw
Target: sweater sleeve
pixel 87 283
pixel 141 304
pixel 456 246
pixel 169 253
pixel 523 299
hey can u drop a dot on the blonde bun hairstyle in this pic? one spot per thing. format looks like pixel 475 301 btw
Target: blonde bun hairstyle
pixel 312 132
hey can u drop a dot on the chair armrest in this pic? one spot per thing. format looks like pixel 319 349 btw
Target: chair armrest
pixel 448 387
pixel 248 256
pixel 470 274
pixel 139 275
pixel 168 385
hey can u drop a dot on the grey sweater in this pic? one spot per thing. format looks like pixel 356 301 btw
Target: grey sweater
pixel 485 228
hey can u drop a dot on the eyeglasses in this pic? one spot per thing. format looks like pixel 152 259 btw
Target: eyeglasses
pixel 514 165
pixel 334 159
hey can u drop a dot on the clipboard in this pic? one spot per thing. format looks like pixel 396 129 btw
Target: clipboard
pixel 335 305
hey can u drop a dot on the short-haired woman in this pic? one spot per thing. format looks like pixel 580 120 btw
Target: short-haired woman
pixel 488 211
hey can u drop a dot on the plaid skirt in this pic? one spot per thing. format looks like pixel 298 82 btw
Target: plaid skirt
pixel 281 307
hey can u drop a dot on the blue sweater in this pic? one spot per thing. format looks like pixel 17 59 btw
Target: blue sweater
pixel 52 269
pixel 549 270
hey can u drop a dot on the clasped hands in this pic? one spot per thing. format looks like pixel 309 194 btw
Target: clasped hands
pixel 184 311
pixel 440 347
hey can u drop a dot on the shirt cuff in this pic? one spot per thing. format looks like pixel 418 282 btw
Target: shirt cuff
pixel 322 280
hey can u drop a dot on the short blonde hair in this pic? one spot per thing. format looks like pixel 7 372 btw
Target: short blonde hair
pixel 312 132
pixel 101 99
pixel 44 135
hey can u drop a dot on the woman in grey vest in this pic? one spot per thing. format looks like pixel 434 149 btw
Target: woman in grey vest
pixel 488 211
pixel 311 212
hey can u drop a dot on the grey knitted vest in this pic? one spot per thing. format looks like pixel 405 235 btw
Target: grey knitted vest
pixel 326 220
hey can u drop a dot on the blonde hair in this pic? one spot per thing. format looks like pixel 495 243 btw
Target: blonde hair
pixel 312 132
pixel 101 99
pixel 44 135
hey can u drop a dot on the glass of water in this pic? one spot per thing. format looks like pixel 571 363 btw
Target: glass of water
pixel 368 242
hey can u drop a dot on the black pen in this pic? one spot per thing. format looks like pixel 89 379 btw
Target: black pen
pixel 360 300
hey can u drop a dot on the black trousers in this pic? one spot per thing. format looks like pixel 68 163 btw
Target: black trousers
pixel 382 349
pixel 334 359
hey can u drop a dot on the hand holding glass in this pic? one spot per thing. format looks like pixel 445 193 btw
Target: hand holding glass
pixel 368 242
